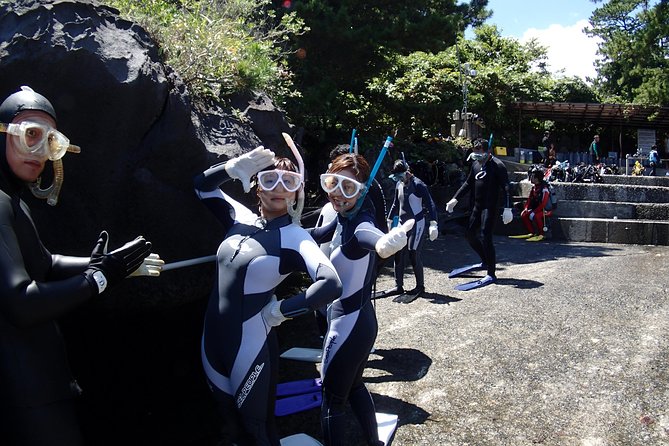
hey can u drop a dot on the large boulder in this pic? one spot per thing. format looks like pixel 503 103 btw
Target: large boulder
pixel 142 141
pixel 136 349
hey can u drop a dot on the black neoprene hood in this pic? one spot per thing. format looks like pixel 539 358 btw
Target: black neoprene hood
pixel 23 100
pixel 399 166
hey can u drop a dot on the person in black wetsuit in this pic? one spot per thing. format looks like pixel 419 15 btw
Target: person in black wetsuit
pixel 412 199
pixel 352 325
pixel 239 347
pixel 36 287
pixel 487 177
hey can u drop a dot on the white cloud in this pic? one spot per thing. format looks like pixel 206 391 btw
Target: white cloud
pixel 569 48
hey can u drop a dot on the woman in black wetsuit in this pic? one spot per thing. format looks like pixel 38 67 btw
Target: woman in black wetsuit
pixel 37 287
pixel 239 348
pixel 352 325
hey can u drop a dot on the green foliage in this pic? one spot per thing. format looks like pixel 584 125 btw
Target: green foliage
pixel 352 43
pixel 634 49
pixel 421 90
pixel 220 47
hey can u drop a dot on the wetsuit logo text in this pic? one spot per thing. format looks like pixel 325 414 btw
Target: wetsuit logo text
pixel 331 343
pixel 249 384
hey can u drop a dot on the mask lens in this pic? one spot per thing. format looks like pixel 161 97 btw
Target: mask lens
pixel 33 134
pixel 57 144
pixel 268 179
pixel 329 182
pixel 349 188
pixel 291 181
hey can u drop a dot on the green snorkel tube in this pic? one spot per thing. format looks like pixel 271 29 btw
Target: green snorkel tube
pixel 353 212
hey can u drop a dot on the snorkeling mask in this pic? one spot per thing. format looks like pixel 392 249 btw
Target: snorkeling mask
pixel 348 187
pixel 478 156
pixel 401 176
pixel 482 145
pixel 269 179
pixel 37 140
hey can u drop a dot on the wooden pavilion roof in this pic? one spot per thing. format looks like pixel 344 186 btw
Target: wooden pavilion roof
pixel 624 115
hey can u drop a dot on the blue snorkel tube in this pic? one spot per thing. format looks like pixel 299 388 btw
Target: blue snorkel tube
pixel 354 143
pixel 372 174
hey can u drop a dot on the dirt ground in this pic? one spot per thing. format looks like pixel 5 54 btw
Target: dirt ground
pixel 569 347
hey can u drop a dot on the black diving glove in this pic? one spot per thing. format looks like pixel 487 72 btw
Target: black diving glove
pixel 108 269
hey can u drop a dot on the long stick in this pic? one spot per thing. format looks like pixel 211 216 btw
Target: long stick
pixel 189 262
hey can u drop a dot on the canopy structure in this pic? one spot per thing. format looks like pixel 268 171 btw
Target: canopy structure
pixel 618 115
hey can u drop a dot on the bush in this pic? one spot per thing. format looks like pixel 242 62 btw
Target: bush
pixel 219 48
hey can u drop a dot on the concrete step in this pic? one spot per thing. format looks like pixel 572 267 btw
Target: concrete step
pixel 612 192
pixel 604 230
pixel 611 209
pixel 601 192
pixel 659 180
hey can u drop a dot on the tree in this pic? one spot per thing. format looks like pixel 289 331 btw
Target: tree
pixel 422 90
pixel 635 51
pixel 351 42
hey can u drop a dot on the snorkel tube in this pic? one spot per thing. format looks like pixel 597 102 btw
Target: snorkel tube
pixel 296 212
pixel 352 213
pixel 51 193
pixel 353 146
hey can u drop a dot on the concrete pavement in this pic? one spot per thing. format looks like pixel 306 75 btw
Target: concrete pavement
pixel 569 347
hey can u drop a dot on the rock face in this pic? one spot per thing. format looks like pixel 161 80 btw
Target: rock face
pixel 142 144
pixel 141 140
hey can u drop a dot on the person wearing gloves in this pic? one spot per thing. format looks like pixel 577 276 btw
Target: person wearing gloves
pixel 486 178
pixel 37 389
pixel 352 325
pixel 327 214
pixel 239 347
pixel 411 201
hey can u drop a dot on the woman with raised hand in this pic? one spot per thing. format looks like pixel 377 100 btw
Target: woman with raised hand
pixel 352 326
pixel 239 348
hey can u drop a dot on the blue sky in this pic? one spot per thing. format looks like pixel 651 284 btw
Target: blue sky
pixel 514 17
pixel 557 24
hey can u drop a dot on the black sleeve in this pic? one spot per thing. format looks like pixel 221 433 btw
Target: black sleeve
pixel 67 266
pixel 211 178
pixel 503 181
pixel 24 302
pixel 323 234
pixel 223 207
